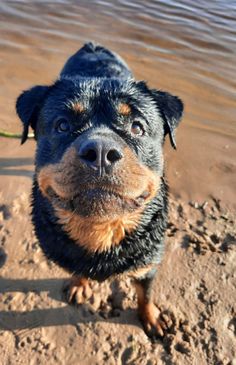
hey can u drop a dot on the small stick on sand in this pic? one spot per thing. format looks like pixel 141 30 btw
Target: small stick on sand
pixel 13 135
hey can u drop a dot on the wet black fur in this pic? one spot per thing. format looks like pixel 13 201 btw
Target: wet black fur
pixel 101 79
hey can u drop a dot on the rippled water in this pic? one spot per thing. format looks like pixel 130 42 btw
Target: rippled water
pixel 185 47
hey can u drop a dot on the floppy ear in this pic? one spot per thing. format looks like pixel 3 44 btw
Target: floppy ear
pixel 171 108
pixel 28 106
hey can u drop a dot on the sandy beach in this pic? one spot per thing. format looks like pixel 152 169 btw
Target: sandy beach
pixel 188 52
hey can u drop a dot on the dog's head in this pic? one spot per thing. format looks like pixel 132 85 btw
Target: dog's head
pixel 99 142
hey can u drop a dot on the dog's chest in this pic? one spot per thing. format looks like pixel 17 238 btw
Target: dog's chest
pixel 96 236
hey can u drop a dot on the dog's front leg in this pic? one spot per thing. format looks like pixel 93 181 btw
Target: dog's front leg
pixel 155 322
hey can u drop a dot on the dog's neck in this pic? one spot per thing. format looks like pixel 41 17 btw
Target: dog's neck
pixel 96 236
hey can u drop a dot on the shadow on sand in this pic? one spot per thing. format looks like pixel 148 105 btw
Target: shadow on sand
pixel 12 167
pixel 63 315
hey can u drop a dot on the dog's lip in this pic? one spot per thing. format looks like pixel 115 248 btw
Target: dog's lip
pixel 104 191
pixel 110 197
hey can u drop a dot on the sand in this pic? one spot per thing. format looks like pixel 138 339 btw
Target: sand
pixel 189 51
pixel 195 285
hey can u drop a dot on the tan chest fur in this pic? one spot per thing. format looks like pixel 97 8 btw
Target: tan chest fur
pixel 94 235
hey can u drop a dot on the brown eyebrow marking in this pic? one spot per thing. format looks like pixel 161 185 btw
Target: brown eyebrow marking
pixel 77 107
pixel 124 109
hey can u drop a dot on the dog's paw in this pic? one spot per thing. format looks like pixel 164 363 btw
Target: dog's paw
pixel 77 291
pixel 156 322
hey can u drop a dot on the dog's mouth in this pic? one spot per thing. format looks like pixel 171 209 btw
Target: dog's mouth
pixel 108 195
pixel 100 201
pixel 105 192
pixel 70 185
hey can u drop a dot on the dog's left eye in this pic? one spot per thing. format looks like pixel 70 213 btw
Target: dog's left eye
pixel 62 125
pixel 137 129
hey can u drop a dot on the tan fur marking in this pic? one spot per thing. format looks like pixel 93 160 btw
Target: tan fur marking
pixel 46 179
pixel 139 273
pixel 77 107
pixel 141 295
pixel 124 109
pixel 97 235
pixel 78 290
pixel 154 321
pixel 137 177
pixel 53 176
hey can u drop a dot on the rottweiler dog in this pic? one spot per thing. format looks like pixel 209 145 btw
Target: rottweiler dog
pixel 99 197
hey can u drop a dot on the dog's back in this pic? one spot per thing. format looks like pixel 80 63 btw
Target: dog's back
pixel 95 61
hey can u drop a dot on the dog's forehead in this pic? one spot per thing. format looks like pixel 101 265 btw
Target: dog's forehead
pixel 81 93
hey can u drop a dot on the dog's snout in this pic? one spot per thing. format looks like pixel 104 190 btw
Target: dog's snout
pixel 100 154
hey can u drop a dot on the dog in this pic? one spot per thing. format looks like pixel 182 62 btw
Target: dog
pixel 100 199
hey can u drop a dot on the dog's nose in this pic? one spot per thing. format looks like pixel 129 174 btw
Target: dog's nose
pixel 100 154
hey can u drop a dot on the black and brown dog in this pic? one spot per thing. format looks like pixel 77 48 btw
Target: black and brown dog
pixel 99 194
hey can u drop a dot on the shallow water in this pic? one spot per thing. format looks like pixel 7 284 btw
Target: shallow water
pixel 185 47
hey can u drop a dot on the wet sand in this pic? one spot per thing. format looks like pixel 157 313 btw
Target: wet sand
pixel 188 50
pixel 195 286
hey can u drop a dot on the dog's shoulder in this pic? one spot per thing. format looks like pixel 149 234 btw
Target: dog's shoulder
pixel 95 61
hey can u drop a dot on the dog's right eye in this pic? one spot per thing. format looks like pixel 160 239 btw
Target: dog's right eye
pixel 62 125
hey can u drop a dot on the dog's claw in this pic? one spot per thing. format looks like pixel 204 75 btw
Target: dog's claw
pixel 155 323
pixel 77 291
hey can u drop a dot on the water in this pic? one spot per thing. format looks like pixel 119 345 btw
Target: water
pixel 185 47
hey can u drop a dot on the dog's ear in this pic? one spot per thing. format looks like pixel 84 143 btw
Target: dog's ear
pixel 171 109
pixel 28 106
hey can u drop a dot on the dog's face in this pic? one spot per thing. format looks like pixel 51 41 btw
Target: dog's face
pixel 99 143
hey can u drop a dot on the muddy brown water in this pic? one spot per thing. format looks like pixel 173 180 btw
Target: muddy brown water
pixel 185 47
